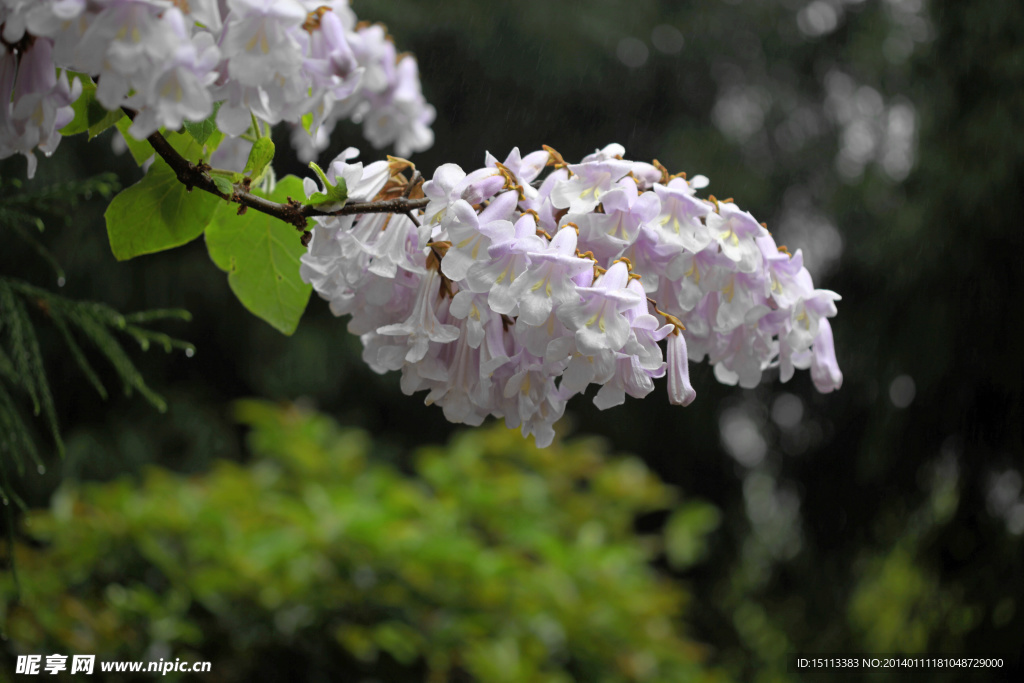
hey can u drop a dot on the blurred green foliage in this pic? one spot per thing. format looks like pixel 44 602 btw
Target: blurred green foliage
pixel 492 559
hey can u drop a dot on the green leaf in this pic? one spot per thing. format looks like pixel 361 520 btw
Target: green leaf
pixel 100 119
pixel 261 256
pixel 156 213
pixel 139 149
pixel 185 145
pixel 90 115
pixel 80 123
pixel 202 130
pixel 213 142
pixel 260 156
pixel 223 184
pixel 336 194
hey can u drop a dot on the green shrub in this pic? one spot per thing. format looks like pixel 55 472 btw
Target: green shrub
pixel 493 561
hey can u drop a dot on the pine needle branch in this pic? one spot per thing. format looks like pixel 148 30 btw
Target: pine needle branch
pixel 20 210
pixel 21 360
pixel 76 352
pixel 55 199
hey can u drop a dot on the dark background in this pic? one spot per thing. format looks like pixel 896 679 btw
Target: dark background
pixel 883 137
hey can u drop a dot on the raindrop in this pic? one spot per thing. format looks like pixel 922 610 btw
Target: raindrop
pixel 41 469
pixel 364 577
pixel 741 437
pixel 61 281
pixel 1004 492
pixel 897 48
pixel 632 52
pixel 189 352
pixel 667 39
pixel 6 502
pixel 787 411
pixel 817 19
pixel 740 112
pixel 902 391
pixel 1015 520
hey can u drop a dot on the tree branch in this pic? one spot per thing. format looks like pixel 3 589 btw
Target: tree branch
pixel 294 213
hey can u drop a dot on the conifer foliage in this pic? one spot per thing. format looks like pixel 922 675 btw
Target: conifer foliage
pixel 86 328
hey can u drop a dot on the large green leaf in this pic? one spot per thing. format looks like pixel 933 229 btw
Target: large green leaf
pixel 158 213
pixel 261 256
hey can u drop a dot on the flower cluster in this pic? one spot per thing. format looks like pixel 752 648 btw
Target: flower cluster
pixel 307 62
pixel 511 293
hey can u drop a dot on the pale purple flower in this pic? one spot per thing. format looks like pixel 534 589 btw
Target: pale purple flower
pixel 540 202
pixel 741 355
pixel 612 151
pixel 598 320
pixel 35 103
pixel 331 62
pixel 647 175
pixel 401 116
pixel 741 300
pixel 735 231
pixel 584 370
pixel 680 391
pixel 179 92
pixel 582 192
pixel 472 308
pixel 533 401
pixel 645 331
pixel 450 184
pixel 650 256
pixel 680 221
pixel 825 370
pixel 362 184
pixel 258 42
pixel 464 392
pixel 509 257
pixel 629 378
pixel 377 54
pixel 525 169
pixel 470 232
pixel 690 276
pixel 625 210
pixel 548 281
pixel 397 247
pixel 422 325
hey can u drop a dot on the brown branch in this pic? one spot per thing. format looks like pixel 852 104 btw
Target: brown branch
pixel 396 205
pixel 294 213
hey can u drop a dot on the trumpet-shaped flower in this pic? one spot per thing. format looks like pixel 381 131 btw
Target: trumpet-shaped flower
pixel 598 319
